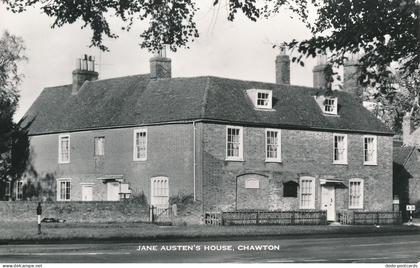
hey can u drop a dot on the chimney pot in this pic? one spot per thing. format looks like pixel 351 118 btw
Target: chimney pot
pixel 407 129
pixel 160 65
pixel 85 71
pixel 283 67
pixel 319 79
pixel 351 75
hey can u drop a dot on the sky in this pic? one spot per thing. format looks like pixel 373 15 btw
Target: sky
pixel 241 49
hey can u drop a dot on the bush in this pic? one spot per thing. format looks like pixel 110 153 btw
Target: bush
pixel 181 199
pixel 139 198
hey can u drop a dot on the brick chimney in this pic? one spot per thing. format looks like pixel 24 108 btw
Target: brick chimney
pixel 351 74
pixel 407 129
pixel 160 65
pixel 283 67
pixel 85 71
pixel 319 79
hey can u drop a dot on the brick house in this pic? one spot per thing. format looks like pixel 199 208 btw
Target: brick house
pixel 230 144
pixel 406 166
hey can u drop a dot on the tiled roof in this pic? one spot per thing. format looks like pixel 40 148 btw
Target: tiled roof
pixel 402 154
pixel 138 100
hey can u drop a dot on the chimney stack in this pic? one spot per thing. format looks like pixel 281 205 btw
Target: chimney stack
pixel 407 129
pixel 283 67
pixel 319 79
pixel 85 71
pixel 160 65
pixel 351 73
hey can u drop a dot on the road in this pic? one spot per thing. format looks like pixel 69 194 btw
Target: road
pixel 363 249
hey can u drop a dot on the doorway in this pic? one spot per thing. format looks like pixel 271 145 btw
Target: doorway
pixel 87 192
pixel 328 201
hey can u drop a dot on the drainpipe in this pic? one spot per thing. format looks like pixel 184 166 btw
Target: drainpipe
pixel 194 161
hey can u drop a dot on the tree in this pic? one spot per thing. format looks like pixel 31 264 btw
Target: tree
pixel 14 143
pixel 170 22
pixel 384 32
pixel 402 97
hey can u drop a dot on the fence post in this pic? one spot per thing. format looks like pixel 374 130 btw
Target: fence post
pixel 257 219
pixel 354 217
pixel 292 218
pixel 152 214
pixel 377 218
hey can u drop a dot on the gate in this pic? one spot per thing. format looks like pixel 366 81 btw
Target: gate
pixel 160 215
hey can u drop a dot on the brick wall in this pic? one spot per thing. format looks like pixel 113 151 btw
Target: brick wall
pixel 409 178
pixel 252 198
pixel 304 153
pixel 169 154
pixel 75 211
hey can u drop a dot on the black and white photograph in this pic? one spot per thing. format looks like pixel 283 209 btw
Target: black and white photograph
pixel 209 132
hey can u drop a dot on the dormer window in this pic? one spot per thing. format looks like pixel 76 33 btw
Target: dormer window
pixel 330 105
pixel 261 98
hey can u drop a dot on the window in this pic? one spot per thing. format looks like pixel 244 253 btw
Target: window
pixel 140 145
pixel 160 192
pixel 356 193
pixel 272 145
pixel 252 184
pixel 340 149
pixel 290 189
pixel 8 189
pixel 19 190
pixel 63 189
pixel 307 193
pixel 370 150
pixel 234 143
pixel 64 149
pixel 261 98
pixel 330 105
pixel 99 146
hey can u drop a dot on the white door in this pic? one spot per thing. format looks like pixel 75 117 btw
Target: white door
pixel 160 192
pixel 113 191
pixel 87 192
pixel 328 201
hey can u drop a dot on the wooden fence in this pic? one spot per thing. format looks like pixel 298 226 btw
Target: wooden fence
pixel 274 218
pixel 376 217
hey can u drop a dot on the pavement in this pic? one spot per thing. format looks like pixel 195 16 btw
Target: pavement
pixel 129 233
pixel 359 248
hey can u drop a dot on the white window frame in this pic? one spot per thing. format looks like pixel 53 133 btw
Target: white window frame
pixel 273 159
pixel 334 106
pixel 241 144
pixel 269 104
pixel 95 152
pixel 301 188
pixel 135 148
pixel 60 158
pixel 19 193
pixel 59 181
pixel 344 160
pixel 373 162
pixel 361 194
